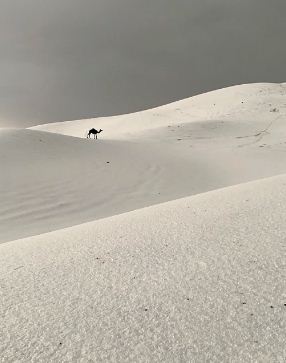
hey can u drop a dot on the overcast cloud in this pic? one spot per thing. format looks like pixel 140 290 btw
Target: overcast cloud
pixel 71 59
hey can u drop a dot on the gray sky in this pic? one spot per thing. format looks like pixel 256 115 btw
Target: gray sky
pixel 70 59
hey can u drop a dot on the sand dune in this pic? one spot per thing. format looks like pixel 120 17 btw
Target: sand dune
pixel 50 181
pixel 197 279
pixel 200 278
pixel 258 103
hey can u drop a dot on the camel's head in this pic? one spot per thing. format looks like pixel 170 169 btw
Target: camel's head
pixel 100 130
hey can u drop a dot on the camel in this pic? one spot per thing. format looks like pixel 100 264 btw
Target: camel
pixel 94 132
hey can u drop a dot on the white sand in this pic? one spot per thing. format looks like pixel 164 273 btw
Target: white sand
pixel 190 280
pixel 209 269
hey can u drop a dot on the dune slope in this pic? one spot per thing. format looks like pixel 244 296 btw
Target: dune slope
pixel 49 181
pixel 196 279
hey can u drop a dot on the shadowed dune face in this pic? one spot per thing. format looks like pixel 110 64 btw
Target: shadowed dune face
pixel 50 181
